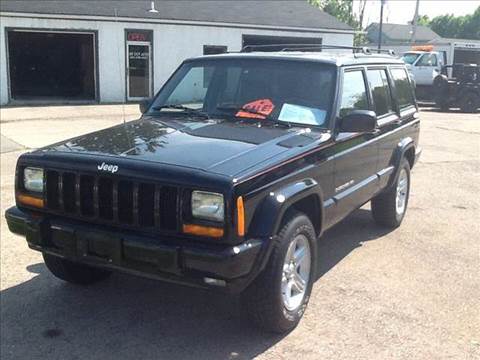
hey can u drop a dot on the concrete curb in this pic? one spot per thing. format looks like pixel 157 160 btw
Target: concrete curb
pixel 8 115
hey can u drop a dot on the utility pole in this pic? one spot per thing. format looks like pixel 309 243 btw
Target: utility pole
pixel 381 26
pixel 414 23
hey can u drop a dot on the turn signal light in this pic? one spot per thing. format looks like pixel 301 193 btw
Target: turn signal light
pixel 202 230
pixel 30 200
pixel 240 217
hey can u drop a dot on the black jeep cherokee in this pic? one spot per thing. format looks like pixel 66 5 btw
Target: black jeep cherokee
pixel 235 169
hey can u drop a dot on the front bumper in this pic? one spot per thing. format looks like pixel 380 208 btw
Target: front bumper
pixel 165 259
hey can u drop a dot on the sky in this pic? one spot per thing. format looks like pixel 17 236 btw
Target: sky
pixel 402 11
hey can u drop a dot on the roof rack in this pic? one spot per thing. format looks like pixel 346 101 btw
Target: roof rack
pixel 314 47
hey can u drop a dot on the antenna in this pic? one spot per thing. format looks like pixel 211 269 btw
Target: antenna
pixel 152 7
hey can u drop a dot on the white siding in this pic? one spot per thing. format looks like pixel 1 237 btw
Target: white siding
pixel 172 43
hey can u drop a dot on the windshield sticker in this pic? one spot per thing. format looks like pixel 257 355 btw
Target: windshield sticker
pixel 302 114
pixel 262 108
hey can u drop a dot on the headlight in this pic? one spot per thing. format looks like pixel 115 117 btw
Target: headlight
pixel 33 179
pixel 207 205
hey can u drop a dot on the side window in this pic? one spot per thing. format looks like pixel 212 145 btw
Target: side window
pixel 382 97
pixel 427 60
pixel 354 94
pixel 404 92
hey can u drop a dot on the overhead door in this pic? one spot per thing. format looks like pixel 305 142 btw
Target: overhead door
pixel 51 65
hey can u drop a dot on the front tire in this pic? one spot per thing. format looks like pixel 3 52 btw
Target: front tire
pixel 277 299
pixel 389 208
pixel 74 273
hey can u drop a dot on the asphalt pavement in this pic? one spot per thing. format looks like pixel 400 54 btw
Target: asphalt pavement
pixel 411 293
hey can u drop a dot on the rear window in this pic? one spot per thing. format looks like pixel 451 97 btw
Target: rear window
pixel 404 92
pixel 382 98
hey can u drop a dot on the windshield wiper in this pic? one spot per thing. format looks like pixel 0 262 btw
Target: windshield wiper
pixel 184 109
pixel 237 108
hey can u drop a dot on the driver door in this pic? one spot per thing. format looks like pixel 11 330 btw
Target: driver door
pixel 426 68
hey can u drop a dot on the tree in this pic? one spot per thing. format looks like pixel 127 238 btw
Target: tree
pixel 343 11
pixel 450 26
pixel 423 20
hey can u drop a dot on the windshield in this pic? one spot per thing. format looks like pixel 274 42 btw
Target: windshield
pixel 409 58
pixel 280 91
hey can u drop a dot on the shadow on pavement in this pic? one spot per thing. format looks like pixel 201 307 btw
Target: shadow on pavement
pixel 134 318
pixel 345 237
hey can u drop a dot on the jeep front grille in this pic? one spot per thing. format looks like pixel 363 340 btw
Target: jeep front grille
pixel 109 200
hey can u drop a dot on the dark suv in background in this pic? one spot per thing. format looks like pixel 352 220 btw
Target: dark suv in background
pixel 233 172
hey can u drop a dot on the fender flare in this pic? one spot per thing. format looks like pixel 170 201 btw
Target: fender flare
pixel 267 218
pixel 403 146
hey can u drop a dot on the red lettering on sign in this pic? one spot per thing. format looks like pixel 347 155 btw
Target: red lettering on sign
pixel 137 37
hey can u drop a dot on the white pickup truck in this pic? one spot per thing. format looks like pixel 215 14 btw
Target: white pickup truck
pixel 424 65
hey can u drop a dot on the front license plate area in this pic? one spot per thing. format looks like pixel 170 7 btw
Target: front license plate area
pixel 103 247
pixel 99 246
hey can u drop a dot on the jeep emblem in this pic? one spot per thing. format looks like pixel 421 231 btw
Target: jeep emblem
pixel 108 167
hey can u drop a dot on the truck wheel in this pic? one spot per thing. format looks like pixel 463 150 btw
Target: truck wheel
pixel 388 208
pixel 277 299
pixel 442 104
pixel 470 103
pixel 73 272
pixel 440 92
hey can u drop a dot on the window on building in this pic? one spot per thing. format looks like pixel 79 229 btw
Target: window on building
pixel 278 43
pixel 382 98
pixel 404 93
pixel 354 93
pixel 214 49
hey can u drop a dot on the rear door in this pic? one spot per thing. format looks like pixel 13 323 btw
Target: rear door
pixel 355 154
pixel 394 128
pixel 387 118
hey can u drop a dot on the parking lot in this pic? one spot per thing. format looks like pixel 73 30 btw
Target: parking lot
pixel 412 293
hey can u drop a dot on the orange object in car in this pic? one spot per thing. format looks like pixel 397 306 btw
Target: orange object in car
pixel 263 108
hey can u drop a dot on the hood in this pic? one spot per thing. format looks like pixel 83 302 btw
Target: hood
pixel 219 146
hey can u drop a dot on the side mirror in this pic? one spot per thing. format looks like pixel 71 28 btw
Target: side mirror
pixel 144 105
pixel 359 121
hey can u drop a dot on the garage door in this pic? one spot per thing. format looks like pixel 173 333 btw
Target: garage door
pixel 51 65
pixel 277 43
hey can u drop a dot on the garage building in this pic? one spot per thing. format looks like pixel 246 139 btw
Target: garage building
pixel 120 51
